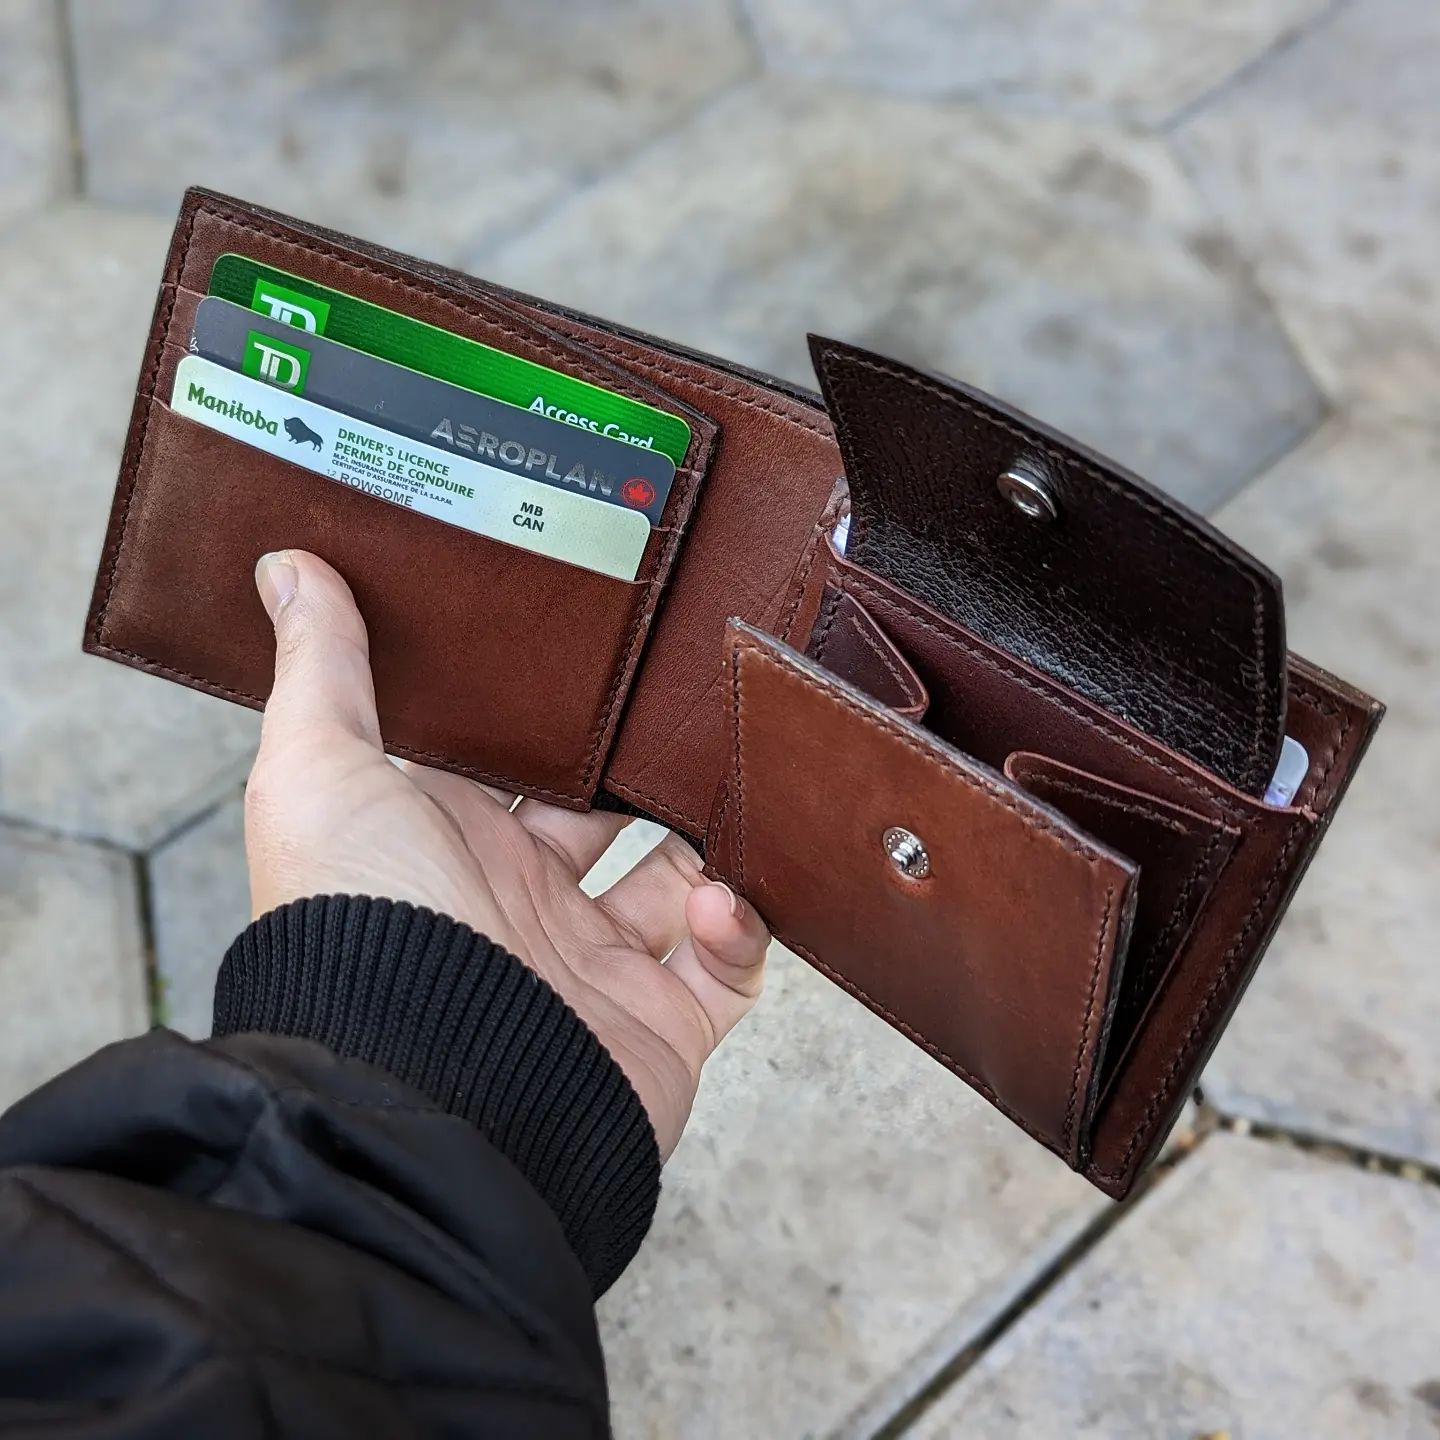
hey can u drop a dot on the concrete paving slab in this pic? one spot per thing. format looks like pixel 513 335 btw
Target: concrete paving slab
pixel 1337 1034
pixel 1069 268
pixel 423 126
pixel 72 962
pixel 199 902
pixel 1116 57
pixel 1325 165
pixel 841 1215
pixel 86 746
pixel 35 162
pixel 1260 1293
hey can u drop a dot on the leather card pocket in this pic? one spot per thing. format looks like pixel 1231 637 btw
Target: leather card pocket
pixel 1001 959
pixel 459 625
pixel 501 664
pixel 848 643
pixel 1181 855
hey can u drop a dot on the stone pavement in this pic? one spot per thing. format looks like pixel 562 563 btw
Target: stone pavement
pixel 1203 237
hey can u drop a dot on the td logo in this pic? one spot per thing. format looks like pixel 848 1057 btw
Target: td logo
pixel 290 307
pixel 276 362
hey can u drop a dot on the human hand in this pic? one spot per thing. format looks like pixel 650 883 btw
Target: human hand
pixel 326 812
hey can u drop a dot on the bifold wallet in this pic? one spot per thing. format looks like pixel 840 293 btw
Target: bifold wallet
pixel 996 764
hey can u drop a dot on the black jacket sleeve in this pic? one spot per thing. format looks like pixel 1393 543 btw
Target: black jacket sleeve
pixel 379 1202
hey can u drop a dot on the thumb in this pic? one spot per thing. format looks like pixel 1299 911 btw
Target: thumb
pixel 322 653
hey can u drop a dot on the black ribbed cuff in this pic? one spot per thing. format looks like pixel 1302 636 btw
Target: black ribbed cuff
pixel 467 1024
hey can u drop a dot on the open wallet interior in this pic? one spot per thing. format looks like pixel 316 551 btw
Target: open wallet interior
pixel 995 764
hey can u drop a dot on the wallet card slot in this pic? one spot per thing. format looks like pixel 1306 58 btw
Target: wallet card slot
pixel 990 704
pixel 460 624
pixel 848 643
pixel 1000 959
pixel 212 225
pixel 1181 855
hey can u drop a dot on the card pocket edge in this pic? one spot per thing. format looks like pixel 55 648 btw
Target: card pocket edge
pixel 726 860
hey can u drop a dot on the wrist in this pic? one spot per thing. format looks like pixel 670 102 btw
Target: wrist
pixel 470 1026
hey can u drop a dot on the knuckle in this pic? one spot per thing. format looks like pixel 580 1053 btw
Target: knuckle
pixel 680 858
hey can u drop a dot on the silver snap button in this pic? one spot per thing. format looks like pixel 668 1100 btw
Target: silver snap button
pixel 907 852
pixel 1028 493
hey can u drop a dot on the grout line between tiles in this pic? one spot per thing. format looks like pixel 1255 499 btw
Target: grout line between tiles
pixel 145 913
pixel 1073 1254
pixel 229 790
pixel 183 827
pixel 750 32
pixel 70 84
pixel 1316 1142
pixel 1271 458
pixel 1247 274
pixel 22 824
pixel 1283 42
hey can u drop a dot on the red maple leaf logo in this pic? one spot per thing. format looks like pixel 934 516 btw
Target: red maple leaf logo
pixel 637 491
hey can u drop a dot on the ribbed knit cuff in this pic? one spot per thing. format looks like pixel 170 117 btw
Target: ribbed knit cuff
pixel 467 1024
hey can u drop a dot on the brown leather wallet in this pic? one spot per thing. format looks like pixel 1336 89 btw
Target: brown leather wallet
pixel 996 767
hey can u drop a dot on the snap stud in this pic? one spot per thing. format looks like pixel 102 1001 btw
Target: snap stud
pixel 1028 493
pixel 907 852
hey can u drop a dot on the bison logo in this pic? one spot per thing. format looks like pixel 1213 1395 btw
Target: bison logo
pixel 300 432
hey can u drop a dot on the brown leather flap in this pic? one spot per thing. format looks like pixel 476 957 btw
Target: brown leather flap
pixel 1181 854
pixel 1001 961
pixel 1123 594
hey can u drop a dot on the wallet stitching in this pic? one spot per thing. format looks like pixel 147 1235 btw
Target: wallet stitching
pixel 866 639
pixel 739 768
pixel 1137 805
pixel 1327 762
pixel 1204 865
pixel 1217 986
pixel 995 662
pixel 1033 822
pixel 1222 978
pixel 463 304
pixel 870 645
pixel 830 609
pixel 658 367
pixel 1084 1044
pixel 396 747
pixel 1152 507
pixel 633 637
pixel 877 650
pixel 546 347
pixel 1316 701
pixel 151 374
pixel 1164 979
pixel 659 807
pixel 792 612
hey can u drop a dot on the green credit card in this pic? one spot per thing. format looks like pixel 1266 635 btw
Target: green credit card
pixel 446 356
